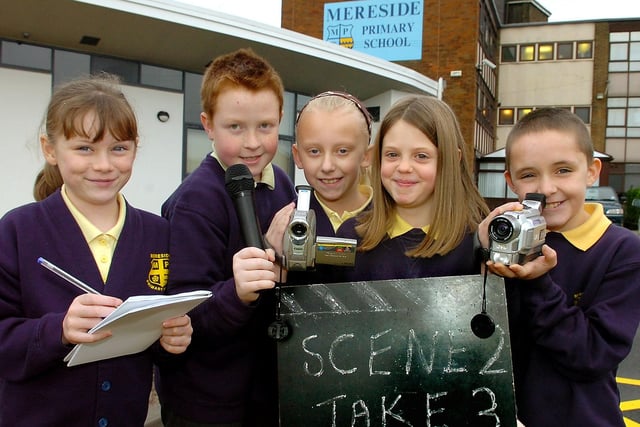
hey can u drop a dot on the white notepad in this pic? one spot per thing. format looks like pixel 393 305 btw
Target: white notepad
pixel 135 325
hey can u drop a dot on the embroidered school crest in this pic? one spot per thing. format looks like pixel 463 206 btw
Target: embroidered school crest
pixel 159 272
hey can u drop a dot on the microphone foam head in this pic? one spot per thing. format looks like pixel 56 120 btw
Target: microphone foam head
pixel 238 178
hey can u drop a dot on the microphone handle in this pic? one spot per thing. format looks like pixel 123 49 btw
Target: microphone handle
pixel 248 218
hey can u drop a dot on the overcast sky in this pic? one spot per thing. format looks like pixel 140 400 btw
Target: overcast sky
pixel 576 10
pixel 268 11
pixel 265 11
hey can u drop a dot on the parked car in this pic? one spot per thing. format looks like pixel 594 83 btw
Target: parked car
pixel 608 198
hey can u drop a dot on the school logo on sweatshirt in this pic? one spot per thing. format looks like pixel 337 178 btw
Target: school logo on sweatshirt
pixel 159 272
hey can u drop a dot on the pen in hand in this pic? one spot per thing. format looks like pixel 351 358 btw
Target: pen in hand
pixel 68 277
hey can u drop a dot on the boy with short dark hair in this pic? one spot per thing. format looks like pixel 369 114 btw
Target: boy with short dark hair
pixel 573 311
pixel 228 378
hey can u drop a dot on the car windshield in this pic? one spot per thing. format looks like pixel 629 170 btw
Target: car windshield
pixel 601 193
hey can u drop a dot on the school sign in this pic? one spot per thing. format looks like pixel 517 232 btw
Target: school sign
pixel 390 29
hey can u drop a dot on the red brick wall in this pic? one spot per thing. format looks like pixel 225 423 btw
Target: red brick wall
pixel 449 40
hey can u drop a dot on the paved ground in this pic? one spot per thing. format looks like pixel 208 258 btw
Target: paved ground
pixel 629 384
pixel 153 417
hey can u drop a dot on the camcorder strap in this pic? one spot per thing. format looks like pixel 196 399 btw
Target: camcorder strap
pixel 482 324
pixel 279 329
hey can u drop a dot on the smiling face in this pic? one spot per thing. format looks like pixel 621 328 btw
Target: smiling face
pixel 332 147
pixel 550 162
pixel 244 127
pixel 408 171
pixel 93 171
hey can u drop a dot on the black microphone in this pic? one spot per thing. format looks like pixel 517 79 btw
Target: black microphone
pixel 239 184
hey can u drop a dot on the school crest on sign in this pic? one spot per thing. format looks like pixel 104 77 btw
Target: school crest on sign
pixel 159 272
pixel 341 34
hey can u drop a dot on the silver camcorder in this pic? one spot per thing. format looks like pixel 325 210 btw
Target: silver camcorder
pixel 516 237
pixel 303 250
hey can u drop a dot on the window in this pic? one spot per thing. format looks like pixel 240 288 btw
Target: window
pixel 127 70
pixel 634 117
pixel 545 52
pixel 192 105
pixel 523 112
pixel 618 67
pixel 287 123
pixel 565 50
pixel 198 145
pixel 550 51
pixel 506 116
pixel 618 52
pixel 68 65
pixel 491 181
pixel 509 53
pixel 527 52
pixel 584 113
pixel 26 55
pixel 634 51
pixel 615 133
pixel 619 37
pixel 615 117
pixel 584 50
pixel 616 102
pixel 160 77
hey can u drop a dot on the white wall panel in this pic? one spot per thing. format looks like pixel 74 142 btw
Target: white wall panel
pixel 24 97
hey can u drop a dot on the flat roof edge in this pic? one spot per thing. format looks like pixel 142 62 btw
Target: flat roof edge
pixel 206 19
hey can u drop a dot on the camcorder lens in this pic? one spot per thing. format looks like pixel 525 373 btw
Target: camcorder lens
pixel 500 229
pixel 299 229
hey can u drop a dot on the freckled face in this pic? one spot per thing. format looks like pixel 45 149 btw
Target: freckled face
pixel 244 127
pixel 408 169
pixel 551 163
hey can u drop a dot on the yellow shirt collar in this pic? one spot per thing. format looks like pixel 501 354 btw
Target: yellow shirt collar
pixel 89 230
pixel 400 227
pixel 588 233
pixel 337 219
pixel 267 178
pixel 102 245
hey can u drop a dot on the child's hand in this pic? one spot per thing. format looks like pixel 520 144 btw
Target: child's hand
pixel 278 226
pixel 253 270
pixel 531 270
pixel 483 227
pixel 85 312
pixel 176 334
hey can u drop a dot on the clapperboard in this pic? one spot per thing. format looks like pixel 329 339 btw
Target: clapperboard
pixel 395 353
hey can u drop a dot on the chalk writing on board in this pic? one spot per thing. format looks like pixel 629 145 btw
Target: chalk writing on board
pixel 425 361
pixel 395 353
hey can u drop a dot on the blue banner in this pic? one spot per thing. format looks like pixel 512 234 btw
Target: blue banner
pixel 390 29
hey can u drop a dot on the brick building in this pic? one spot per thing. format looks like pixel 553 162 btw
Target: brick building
pixel 498 60
pixel 458 36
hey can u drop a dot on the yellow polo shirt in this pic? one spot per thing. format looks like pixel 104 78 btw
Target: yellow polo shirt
pixel 102 245
pixel 588 233
pixel 400 226
pixel 336 219
pixel 267 177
